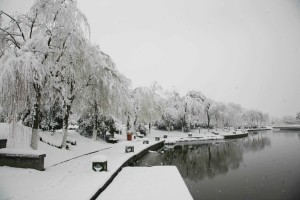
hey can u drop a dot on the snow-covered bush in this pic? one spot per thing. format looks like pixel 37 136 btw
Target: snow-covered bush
pixel 51 117
pixel 106 123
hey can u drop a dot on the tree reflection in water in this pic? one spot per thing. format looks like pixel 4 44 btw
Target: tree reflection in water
pixel 198 161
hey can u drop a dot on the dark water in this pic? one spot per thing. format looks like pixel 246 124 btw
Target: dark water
pixel 265 165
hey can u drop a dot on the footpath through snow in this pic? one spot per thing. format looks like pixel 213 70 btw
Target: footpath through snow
pixel 75 178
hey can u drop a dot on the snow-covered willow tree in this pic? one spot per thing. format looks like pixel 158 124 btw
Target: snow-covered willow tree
pixel 107 91
pixel 22 58
pixel 147 104
pixel 51 41
pixel 67 59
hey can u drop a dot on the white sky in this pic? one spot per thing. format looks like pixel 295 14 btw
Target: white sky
pixel 242 51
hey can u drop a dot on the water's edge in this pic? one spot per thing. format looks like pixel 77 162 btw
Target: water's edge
pixel 128 162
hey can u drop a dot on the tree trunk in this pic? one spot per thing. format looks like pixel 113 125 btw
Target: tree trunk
pixel 208 119
pixel 36 118
pixel 135 120
pixel 94 134
pixel 184 116
pixel 65 125
pixel 128 126
pixel 95 122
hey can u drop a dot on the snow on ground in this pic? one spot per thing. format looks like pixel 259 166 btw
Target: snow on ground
pixel 21 137
pixel 73 179
pixel 22 152
pixel 4 130
pixel 178 136
pixel 159 182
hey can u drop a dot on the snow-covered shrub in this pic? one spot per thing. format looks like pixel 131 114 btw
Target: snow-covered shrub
pixel 51 117
pixel 86 124
pixel 104 124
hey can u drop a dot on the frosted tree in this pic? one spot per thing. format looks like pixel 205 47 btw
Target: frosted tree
pixel 208 104
pixel 107 91
pixel 197 100
pixel 216 112
pixel 146 104
pixel 22 59
pixel 298 116
pixel 67 31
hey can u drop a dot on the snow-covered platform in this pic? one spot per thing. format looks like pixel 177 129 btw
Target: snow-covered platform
pixel 288 128
pixel 230 134
pixel 159 182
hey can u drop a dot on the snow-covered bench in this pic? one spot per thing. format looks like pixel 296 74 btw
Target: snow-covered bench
pixel 110 138
pixel 138 134
pixel 22 158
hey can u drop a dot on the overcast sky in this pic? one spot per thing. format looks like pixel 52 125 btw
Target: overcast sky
pixel 242 51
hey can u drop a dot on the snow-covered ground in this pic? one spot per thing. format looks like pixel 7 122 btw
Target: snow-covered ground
pixel 135 183
pixel 75 178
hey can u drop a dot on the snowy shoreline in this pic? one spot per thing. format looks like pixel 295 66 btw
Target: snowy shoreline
pixel 75 178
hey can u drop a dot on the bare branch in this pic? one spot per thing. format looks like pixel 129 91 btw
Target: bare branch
pixel 2 12
pixel 32 24
pixel 14 40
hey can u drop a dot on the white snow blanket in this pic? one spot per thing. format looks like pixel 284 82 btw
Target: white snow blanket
pixel 136 183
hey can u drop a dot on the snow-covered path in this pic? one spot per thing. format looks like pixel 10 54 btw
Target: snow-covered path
pixel 135 183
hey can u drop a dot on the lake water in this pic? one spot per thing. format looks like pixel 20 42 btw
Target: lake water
pixel 265 165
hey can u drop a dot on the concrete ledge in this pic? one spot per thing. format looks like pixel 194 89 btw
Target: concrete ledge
pixel 235 136
pixel 127 163
pixel 27 159
pixel 3 143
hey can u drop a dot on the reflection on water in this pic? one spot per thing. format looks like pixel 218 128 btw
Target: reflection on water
pixel 256 167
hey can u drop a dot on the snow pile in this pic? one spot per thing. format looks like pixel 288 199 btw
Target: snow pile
pixel 159 182
pixel 22 152
pixel 4 130
pixel 18 136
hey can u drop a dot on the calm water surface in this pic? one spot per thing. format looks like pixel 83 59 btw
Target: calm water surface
pixel 265 165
